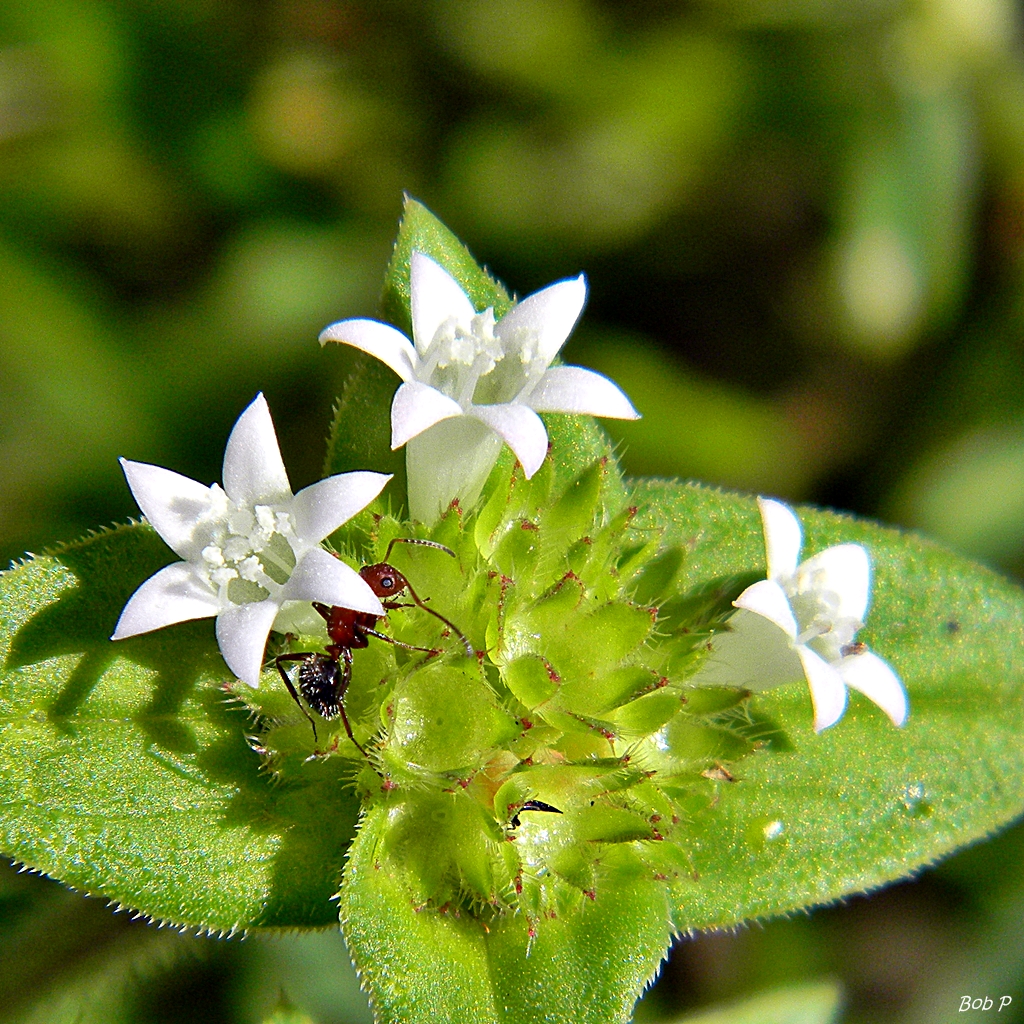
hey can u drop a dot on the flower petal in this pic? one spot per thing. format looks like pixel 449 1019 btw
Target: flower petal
pixel 574 389
pixel 875 678
pixel 320 576
pixel 302 619
pixel 521 429
pixel 828 692
pixel 844 569
pixel 378 340
pixel 450 460
pixel 174 594
pixel 768 599
pixel 172 503
pixel 549 315
pixel 253 470
pixel 435 296
pixel 415 408
pixel 753 654
pixel 318 510
pixel 242 632
pixel 782 537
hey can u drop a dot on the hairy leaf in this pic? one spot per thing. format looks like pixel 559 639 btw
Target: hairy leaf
pixel 863 802
pixel 585 965
pixel 124 768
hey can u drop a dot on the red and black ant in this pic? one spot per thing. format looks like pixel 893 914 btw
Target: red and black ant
pixel 324 678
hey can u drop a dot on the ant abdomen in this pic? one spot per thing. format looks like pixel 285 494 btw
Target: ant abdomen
pixel 319 678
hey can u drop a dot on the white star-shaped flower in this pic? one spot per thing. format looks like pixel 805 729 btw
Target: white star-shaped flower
pixel 248 547
pixel 803 619
pixel 470 382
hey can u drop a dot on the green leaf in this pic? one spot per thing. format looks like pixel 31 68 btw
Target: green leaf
pixel 421 231
pixel 863 802
pixel 124 768
pixel 817 1003
pixel 360 436
pixel 425 967
pixel 127 769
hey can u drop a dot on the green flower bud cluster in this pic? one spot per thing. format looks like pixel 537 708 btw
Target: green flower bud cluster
pixel 571 749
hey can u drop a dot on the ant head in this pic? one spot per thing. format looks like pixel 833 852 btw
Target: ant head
pixel 384 580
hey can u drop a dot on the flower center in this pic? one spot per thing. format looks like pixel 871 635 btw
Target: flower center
pixel 459 354
pixel 816 610
pixel 248 550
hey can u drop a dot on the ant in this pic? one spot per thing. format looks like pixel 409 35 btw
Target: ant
pixel 324 678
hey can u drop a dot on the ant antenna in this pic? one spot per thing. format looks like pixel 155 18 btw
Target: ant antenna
pixel 412 593
pixel 421 543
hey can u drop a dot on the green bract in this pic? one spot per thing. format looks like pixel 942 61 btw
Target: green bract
pixel 533 823
pixel 578 699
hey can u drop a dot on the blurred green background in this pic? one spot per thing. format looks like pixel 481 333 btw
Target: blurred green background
pixel 803 225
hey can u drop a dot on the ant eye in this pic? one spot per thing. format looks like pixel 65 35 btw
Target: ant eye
pixel 387 583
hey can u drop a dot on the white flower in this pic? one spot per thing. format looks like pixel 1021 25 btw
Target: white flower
pixel 247 547
pixel 818 605
pixel 470 382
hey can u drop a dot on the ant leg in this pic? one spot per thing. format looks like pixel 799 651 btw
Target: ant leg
pixel 346 678
pixel 470 653
pixel 397 643
pixel 291 688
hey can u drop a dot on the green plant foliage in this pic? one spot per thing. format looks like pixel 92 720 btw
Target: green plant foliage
pixel 816 1003
pixel 880 800
pixel 535 820
pixel 429 966
pixel 125 768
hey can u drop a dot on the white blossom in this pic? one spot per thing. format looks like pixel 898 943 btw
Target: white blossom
pixel 470 382
pixel 803 620
pixel 247 547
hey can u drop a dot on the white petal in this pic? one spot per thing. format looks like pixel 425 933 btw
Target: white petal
pixel 242 632
pixel 435 296
pixel 415 408
pixel 173 595
pixel 171 502
pixel 782 537
pixel 253 470
pixel 549 315
pixel 318 510
pixel 302 619
pixel 754 654
pixel 874 677
pixel 828 692
pixel 521 429
pixel 845 570
pixel 574 389
pixel 450 460
pixel 767 598
pixel 320 576
pixel 378 340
